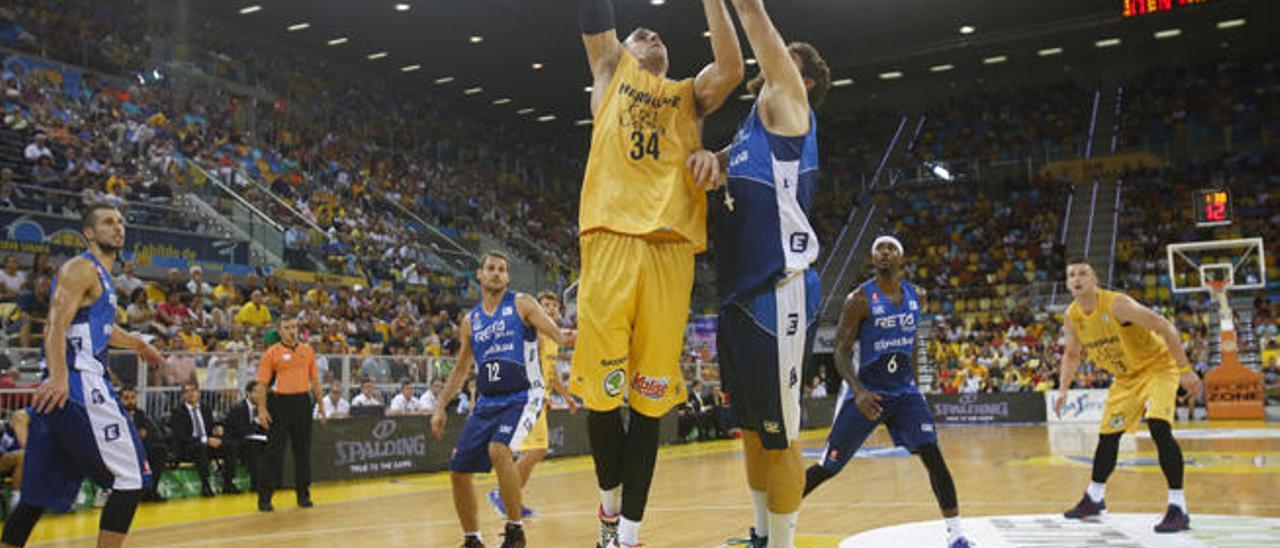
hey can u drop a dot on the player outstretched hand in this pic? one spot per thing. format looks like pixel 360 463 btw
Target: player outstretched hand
pixel 570 338
pixel 1192 384
pixel 869 403
pixel 52 394
pixel 706 169
pixel 437 422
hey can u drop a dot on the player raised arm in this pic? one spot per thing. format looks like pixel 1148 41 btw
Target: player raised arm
pixel 1125 309
pixel 1070 362
pixel 784 97
pixel 533 314
pixel 856 310
pixel 75 280
pixel 600 37
pixel 461 368
pixel 717 80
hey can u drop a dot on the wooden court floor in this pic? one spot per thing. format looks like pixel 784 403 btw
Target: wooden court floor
pixel 699 496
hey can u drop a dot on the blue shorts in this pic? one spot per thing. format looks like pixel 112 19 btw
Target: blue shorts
pixel 906 415
pixel 91 437
pixel 503 418
pixel 763 342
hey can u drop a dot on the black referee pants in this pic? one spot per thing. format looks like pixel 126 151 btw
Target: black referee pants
pixel 290 423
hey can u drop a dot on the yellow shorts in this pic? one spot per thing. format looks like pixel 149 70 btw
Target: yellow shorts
pixel 633 304
pixel 537 438
pixel 1152 395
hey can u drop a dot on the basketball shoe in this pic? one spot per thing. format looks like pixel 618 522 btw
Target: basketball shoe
pixel 1086 509
pixel 495 499
pixel 608 530
pixel 1175 520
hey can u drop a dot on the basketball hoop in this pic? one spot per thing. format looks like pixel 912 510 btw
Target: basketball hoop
pixel 1217 287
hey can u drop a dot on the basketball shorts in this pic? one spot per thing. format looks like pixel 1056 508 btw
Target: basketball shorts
pixel 633 304
pixel 906 415
pixel 91 437
pixel 1152 395
pixel 504 418
pixel 763 341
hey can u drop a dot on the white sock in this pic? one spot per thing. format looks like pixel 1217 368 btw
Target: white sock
pixel 1096 491
pixel 475 534
pixel 611 501
pixel 1179 499
pixel 760 499
pixel 518 523
pixel 953 527
pixel 628 532
pixel 782 530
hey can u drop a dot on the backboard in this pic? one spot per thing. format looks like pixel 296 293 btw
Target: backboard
pixel 1240 263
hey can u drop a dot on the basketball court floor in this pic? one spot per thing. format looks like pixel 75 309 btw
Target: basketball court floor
pixel 1013 482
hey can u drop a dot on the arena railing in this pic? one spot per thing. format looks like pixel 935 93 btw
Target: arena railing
pixel 222 376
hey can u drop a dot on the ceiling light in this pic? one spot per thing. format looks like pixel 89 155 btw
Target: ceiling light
pixel 1168 33
pixel 842 83
pixel 401 6
pixel 525 110
pixel 1049 52
pixel 501 101
pixel 476 39
pixel 299 26
pixel 1107 42
pixel 378 55
pixel 444 80
pixel 546 117
pixel 941 68
pixel 472 91
pixel 588 89
pixel 891 75
pixel 410 68
pixel 250 9
pixel 657 2
pixel 1231 23
pixel 706 34
pixel 583 122
pixel 995 60
pixel 338 41
pixel 751 60
pixel 746 97
pixel 967 29
pixel 537 66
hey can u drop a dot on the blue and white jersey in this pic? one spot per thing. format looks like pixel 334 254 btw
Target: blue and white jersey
pixel 887 340
pixel 506 349
pixel 762 230
pixel 90 330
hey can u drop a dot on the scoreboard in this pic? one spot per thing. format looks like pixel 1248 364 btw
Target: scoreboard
pixel 1213 207
pixel 1144 7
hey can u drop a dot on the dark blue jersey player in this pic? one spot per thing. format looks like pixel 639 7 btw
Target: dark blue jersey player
pixel 78 427
pixel 880 316
pixel 501 336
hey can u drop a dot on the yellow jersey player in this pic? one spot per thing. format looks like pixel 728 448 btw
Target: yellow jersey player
pixel 1144 352
pixel 534 448
pixel 642 219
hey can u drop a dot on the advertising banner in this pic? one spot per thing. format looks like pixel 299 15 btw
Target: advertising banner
pixel 28 232
pixel 1083 406
pixel 987 408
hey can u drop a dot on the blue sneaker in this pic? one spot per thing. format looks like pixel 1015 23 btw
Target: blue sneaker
pixel 1175 520
pixel 1086 509
pixel 960 542
pixel 495 499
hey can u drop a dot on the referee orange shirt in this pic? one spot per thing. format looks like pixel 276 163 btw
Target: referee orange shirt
pixel 293 368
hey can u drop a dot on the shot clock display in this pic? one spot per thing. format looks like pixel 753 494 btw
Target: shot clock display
pixel 1213 207
pixel 1144 7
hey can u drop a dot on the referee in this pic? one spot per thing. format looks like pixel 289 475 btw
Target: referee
pixel 289 368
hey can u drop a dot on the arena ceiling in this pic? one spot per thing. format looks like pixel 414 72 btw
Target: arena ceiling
pixel 528 51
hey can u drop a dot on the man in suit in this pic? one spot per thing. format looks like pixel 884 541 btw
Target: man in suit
pixel 197 439
pixel 692 414
pixel 153 441
pixel 246 438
